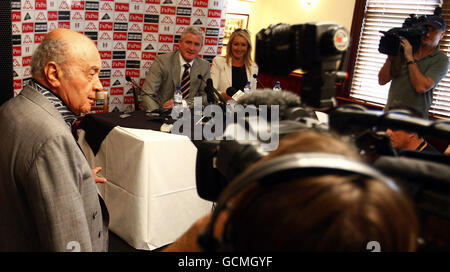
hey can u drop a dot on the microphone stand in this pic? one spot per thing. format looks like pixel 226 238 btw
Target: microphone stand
pixel 136 101
pixel 220 101
pixel 136 92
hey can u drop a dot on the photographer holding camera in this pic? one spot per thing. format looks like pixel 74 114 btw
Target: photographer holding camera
pixel 420 71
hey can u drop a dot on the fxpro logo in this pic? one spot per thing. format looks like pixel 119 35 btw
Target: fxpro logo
pixel 238 123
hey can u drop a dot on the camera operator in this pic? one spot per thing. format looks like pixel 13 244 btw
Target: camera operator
pixel 414 80
pixel 408 140
pixel 318 211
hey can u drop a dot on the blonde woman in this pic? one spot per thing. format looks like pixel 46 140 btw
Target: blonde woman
pixel 237 67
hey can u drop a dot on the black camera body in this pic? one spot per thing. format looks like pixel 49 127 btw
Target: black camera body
pixel 219 162
pixel 282 48
pixel 412 30
pixel 318 48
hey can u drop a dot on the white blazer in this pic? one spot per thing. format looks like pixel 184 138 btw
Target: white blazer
pixel 221 74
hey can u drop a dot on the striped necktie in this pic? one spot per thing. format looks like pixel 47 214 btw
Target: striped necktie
pixel 185 81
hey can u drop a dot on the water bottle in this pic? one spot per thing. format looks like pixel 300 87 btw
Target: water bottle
pixel 231 104
pixel 247 87
pixel 177 109
pixel 277 87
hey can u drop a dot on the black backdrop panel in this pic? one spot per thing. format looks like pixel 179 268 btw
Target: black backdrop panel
pixel 6 69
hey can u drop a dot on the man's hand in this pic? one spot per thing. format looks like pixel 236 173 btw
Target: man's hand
pixel 384 75
pixel 407 50
pixel 97 178
pixel 168 104
pixel 420 82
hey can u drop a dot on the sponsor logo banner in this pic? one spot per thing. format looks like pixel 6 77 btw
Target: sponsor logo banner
pixel 129 34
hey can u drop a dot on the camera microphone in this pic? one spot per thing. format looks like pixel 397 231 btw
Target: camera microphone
pixel 233 93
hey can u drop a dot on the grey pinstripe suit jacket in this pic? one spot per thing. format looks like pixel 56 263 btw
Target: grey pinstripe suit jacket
pixel 48 197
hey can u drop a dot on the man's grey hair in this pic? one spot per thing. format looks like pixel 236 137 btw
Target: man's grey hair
pixel 195 30
pixel 56 50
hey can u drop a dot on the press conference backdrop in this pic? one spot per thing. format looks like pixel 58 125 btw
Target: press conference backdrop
pixel 129 34
pixel 6 75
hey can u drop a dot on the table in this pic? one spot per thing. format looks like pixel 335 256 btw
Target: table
pixel 151 193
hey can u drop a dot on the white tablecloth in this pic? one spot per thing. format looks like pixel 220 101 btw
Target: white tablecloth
pixel 150 194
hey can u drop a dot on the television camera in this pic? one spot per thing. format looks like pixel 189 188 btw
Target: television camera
pixel 412 30
pixel 317 48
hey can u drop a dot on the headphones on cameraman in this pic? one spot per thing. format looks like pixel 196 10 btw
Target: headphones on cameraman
pixel 283 169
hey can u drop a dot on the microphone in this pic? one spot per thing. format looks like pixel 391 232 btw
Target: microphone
pixel 217 96
pixel 233 93
pixel 255 76
pixel 199 76
pixel 212 94
pixel 135 85
pixel 136 91
pixel 209 95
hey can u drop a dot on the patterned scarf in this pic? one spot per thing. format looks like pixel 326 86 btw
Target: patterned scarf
pixel 68 116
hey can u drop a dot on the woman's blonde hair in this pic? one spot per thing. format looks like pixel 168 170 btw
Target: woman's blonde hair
pixel 247 57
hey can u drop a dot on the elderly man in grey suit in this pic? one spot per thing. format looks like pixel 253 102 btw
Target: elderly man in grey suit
pixel 48 196
pixel 178 68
